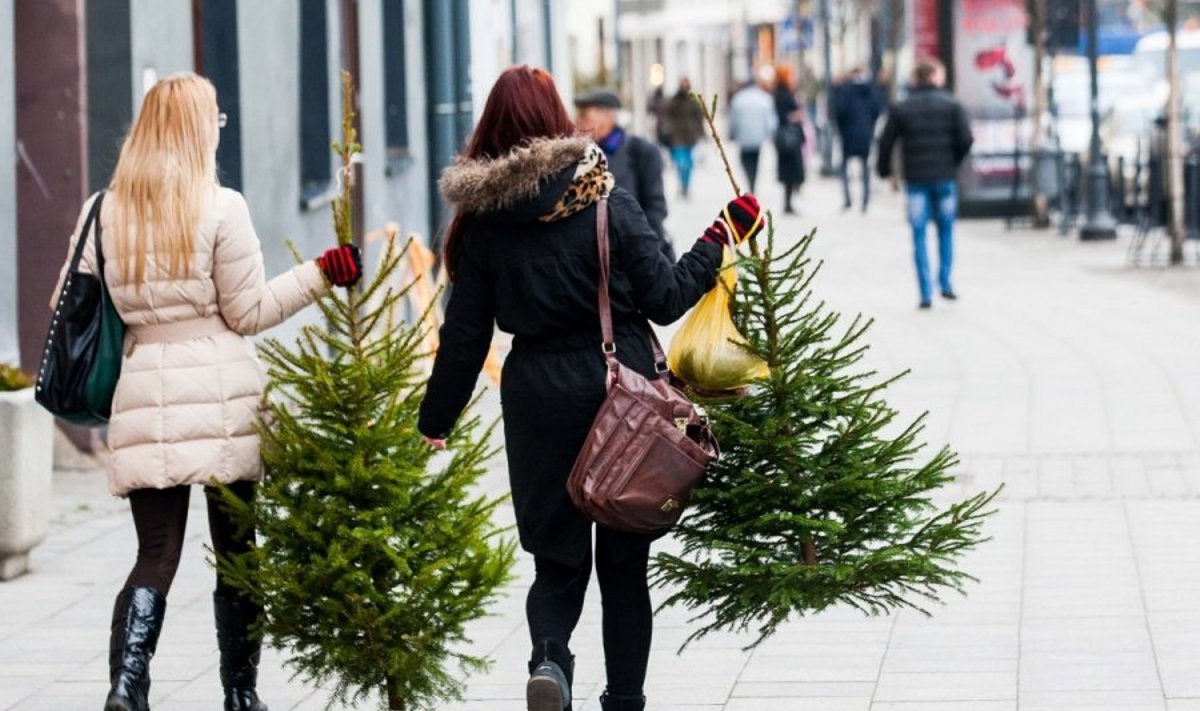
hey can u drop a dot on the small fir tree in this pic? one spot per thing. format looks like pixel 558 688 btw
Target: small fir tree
pixel 375 552
pixel 817 499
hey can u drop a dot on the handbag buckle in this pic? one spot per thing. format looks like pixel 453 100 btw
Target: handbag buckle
pixel 608 348
pixel 661 367
pixel 669 505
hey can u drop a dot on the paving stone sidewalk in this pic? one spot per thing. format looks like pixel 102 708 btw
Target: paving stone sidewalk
pixel 1063 375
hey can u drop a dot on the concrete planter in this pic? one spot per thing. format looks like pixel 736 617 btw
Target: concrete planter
pixel 26 473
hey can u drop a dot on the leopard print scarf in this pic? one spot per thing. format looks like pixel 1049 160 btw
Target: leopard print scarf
pixel 592 182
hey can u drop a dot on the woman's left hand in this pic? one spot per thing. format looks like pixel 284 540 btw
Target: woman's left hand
pixel 438 444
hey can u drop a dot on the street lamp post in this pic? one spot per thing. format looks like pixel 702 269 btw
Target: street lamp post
pixel 827 114
pixel 1099 223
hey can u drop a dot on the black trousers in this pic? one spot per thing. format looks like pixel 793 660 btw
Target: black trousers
pixel 160 517
pixel 556 600
pixel 750 165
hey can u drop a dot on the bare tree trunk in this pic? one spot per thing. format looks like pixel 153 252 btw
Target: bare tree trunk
pixel 1037 22
pixel 895 39
pixel 1174 161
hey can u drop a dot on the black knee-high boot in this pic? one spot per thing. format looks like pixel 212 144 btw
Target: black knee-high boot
pixel 622 702
pixel 137 621
pixel 551 671
pixel 239 653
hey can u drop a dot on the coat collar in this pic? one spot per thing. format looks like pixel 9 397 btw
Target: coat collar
pixel 480 185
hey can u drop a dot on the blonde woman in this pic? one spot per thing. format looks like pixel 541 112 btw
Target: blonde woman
pixel 185 270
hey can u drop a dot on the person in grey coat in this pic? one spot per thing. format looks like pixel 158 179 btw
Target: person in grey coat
pixel 752 121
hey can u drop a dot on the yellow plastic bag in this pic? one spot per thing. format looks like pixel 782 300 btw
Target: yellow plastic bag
pixel 705 353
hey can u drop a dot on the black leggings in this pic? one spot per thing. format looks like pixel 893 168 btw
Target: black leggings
pixel 750 165
pixel 160 516
pixel 556 600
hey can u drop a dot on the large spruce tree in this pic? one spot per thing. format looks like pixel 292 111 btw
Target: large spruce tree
pixel 375 552
pixel 818 498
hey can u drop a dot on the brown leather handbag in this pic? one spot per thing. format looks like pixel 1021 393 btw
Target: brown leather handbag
pixel 649 445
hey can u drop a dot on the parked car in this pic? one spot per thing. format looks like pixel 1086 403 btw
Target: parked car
pixel 1121 79
pixel 1151 55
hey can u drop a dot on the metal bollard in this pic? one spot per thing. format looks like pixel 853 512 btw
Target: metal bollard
pixel 1119 203
pixel 1191 194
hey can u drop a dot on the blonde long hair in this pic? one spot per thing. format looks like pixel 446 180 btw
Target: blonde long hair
pixel 165 175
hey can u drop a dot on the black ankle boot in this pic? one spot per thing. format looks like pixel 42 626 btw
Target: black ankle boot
pixel 551 671
pixel 137 620
pixel 622 702
pixel 239 653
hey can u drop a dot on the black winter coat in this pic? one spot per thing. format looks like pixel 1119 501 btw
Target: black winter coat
pixel 638 167
pixel 538 281
pixel 789 139
pixel 934 133
pixel 856 110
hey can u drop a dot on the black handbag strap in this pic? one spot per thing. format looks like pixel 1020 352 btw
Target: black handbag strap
pixel 609 345
pixel 92 218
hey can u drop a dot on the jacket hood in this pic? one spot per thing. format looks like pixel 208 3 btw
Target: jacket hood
pixel 525 181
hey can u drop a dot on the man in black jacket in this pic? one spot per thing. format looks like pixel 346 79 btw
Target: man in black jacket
pixel 935 137
pixel 635 163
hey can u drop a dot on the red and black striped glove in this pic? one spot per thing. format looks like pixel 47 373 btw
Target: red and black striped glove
pixel 742 215
pixel 342 265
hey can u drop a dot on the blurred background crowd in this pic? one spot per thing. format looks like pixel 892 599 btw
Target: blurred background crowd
pixel 75 72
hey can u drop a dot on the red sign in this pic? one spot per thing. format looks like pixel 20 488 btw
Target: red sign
pixel 926 34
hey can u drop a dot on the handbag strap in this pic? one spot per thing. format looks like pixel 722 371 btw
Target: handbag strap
pixel 93 217
pixel 609 344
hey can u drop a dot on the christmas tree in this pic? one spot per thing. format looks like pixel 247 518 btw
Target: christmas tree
pixel 375 553
pixel 818 499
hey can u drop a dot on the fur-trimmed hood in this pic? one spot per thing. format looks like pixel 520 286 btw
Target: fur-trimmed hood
pixel 476 186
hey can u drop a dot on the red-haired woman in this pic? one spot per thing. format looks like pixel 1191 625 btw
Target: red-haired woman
pixel 522 254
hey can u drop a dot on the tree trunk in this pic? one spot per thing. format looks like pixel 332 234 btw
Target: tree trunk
pixel 395 700
pixel 895 39
pixel 1037 23
pixel 1174 157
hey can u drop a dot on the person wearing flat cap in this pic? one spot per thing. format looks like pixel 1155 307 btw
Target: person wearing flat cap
pixel 635 163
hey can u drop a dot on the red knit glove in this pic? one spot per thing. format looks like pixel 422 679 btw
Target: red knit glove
pixel 342 265
pixel 717 233
pixel 744 217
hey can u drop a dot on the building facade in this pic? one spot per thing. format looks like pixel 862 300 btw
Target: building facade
pixel 73 72
pixel 8 194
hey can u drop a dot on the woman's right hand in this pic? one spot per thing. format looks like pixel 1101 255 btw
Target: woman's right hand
pixel 341 265
pixel 742 215
pixel 438 444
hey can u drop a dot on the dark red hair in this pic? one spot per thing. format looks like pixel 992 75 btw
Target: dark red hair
pixel 523 105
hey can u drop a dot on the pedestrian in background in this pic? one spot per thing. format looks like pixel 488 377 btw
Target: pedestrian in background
pixel 857 107
pixel 789 137
pixel 934 136
pixel 753 120
pixel 686 129
pixel 657 107
pixel 635 162
pixel 185 273
pixel 522 254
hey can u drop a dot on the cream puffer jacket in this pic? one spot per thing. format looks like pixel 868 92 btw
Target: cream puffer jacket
pixel 188 399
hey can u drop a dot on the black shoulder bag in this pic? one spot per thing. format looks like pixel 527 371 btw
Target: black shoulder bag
pixel 81 361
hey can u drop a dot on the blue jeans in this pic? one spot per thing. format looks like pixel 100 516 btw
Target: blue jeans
pixel 937 200
pixel 681 156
